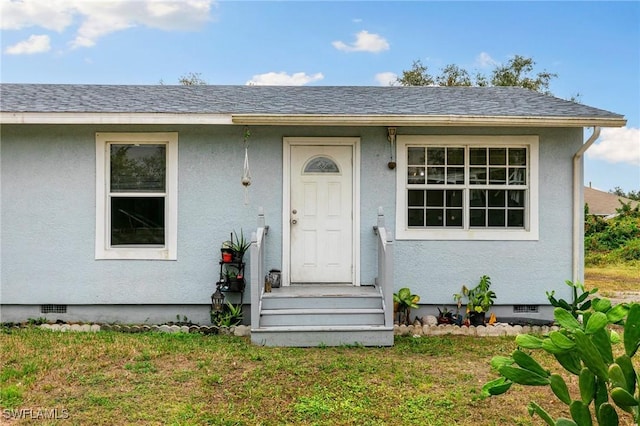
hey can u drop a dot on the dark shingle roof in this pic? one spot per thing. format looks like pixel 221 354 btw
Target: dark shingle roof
pixel 291 100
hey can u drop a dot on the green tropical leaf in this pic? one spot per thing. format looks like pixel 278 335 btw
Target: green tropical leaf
pixel 607 415
pixel 632 330
pixel 559 388
pixel 597 321
pixel 534 408
pixel 566 320
pixel 617 313
pixel 528 341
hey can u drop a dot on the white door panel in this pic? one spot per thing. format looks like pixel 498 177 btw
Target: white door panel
pixel 321 214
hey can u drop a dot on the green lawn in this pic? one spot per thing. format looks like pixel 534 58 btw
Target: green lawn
pixel 111 378
pixel 154 378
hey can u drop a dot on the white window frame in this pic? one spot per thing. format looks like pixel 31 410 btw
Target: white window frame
pixel 104 250
pixel 530 230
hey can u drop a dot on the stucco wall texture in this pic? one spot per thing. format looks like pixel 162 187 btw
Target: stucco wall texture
pixel 48 218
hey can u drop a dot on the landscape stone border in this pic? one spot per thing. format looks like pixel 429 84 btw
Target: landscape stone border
pixel 239 330
pixel 417 330
pixel 495 330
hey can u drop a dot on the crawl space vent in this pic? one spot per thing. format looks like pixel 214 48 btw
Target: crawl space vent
pixel 53 309
pixel 525 309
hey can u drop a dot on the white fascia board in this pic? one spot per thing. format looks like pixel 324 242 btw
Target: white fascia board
pixel 424 120
pixel 111 118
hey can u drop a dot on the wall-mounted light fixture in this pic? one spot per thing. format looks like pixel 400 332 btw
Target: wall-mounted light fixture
pixel 391 137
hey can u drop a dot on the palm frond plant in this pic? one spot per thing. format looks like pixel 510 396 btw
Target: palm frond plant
pixel 403 302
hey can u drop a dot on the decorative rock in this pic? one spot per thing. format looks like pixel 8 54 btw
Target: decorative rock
pixel 95 328
pixel 536 329
pixel 194 329
pixel 75 327
pixel 417 323
pixel 403 330
pixel 174 329
pixel 155 328
pixel 55 327
pixel 460 331
pixel 164 328
pixel 65 327
pixel 481 331
pixel 417 331
pixel 495 331
pixel 145 328
pixel 429 320
pixel 85 328
pixel 438 330
pixel 242 331
pixel 184 329
pixel 45 326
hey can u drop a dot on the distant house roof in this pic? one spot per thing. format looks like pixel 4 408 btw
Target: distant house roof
pixel 363 105
pixel 604 203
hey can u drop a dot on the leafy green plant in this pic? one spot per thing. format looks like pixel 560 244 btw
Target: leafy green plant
pixel 584 349
pixel 37 321
pixel 579 302
pixel 239 244
pixel 615 240
pixel 403 302
pixel 479 299
pixel 230 316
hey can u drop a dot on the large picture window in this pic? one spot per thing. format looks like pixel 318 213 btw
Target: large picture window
pixel 136 195
pixel 454 187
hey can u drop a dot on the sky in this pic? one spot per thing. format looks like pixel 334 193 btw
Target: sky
pixel 593 47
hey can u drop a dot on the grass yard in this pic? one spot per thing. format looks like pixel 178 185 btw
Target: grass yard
pixel 114 378
pixel 111 378
pixel 614 278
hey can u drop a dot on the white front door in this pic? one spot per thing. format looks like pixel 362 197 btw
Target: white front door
pixel 321 214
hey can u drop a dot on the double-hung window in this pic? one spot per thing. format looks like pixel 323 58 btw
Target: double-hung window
pixel 467 187
pixel 136 195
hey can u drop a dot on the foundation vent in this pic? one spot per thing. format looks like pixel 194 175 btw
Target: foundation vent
pixel 525 309
pixel 53 309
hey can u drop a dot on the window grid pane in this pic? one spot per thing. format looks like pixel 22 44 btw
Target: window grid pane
pixel 491 206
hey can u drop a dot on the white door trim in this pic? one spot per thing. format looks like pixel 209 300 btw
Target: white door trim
pixel 354 142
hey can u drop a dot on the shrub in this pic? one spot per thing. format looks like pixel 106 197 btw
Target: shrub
pixel 583 349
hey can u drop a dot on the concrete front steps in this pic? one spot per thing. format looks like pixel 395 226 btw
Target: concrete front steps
pixel 322 315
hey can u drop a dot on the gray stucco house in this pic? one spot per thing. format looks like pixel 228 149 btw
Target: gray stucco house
pixel 355 192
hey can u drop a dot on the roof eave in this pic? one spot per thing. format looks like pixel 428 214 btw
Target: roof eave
pixel 111 118
pixel 425 120
pixel 305 119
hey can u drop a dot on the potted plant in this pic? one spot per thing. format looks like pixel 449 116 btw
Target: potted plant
pixel 234 281
pixel 403 301
pixel 227 251
pixel 445 316
pixel 479 300
pixel 239 245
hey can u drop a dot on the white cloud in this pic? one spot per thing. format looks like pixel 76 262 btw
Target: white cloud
pixel 617 145
pixel 34 44
pixel 284 79
pixel 365 42
pixel 53 15
pixel 386 78
pixel 100 17
pixel 484 60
